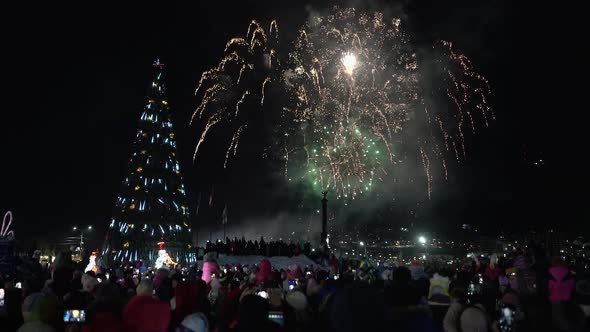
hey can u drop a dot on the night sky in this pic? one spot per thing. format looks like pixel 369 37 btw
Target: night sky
pixel 74 82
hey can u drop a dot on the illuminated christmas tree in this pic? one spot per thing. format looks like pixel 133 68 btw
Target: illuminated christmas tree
pixel 152 205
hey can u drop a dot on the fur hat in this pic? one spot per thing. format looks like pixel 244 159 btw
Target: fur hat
pixel 196 322
pixel 209 268
pixel 89 282
pixel 37 254
pixel 38 307
pixel 297 300
pixel 473 319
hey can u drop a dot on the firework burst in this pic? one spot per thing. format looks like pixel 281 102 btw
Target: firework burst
pixel 357 98
pixel 358 86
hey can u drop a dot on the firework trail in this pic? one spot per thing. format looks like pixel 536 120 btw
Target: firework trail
pixel 228 91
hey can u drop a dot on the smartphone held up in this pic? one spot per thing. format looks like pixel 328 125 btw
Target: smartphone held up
pixel 75 316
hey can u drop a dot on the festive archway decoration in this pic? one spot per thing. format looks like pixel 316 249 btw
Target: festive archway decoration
pixel 5 230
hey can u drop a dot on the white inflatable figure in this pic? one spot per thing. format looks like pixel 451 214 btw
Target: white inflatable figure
pixel 164 260
pixel 161 260
pixel 91 263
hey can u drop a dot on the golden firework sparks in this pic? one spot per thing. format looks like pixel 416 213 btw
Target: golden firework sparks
pixel 349 62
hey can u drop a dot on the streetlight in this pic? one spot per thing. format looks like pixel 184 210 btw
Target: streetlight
pixel 363 245
pixel 422 240
pixel 81 230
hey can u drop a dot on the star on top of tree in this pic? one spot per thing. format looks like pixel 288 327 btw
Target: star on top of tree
pixel 157 63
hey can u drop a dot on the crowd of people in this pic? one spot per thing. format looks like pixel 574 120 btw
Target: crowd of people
pixel 241 247
pixel 518 291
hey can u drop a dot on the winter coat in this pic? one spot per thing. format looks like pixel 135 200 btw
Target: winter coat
pixel 493 272
pixel 35 326
pixel 104 321
pixel 189 297
pixel 209 268
pixel 196 322
pixel 265 271
pixel 144 313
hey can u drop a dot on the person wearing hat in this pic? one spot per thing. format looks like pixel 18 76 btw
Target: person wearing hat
pixel 222 277
pixel 582 297
pixel 75 298
pixel 493 271
pixel 475 319
pixel 572 315
pixel 190 298
pixel 265 271
pixel 38 309
pixel 561 282
pixel 210 268
pixel 417 271
pixel 253 315
pixel 438 291
pixel 89 283
pixel 214 290
pixel 104 312
pixel 458 296
pixel 146 313
pixel 302 318
pixel 196 322
pixel 227 305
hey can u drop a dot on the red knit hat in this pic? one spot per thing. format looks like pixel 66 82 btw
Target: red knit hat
pixel 146 314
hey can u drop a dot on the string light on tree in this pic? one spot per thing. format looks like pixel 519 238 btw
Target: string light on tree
pixel 91 263
pixel 154 210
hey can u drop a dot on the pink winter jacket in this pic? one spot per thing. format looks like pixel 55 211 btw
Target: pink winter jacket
pixel 265 271
pixel 209 268
pixel 560 287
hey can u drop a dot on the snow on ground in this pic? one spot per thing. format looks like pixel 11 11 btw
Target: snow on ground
pixel 278 262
